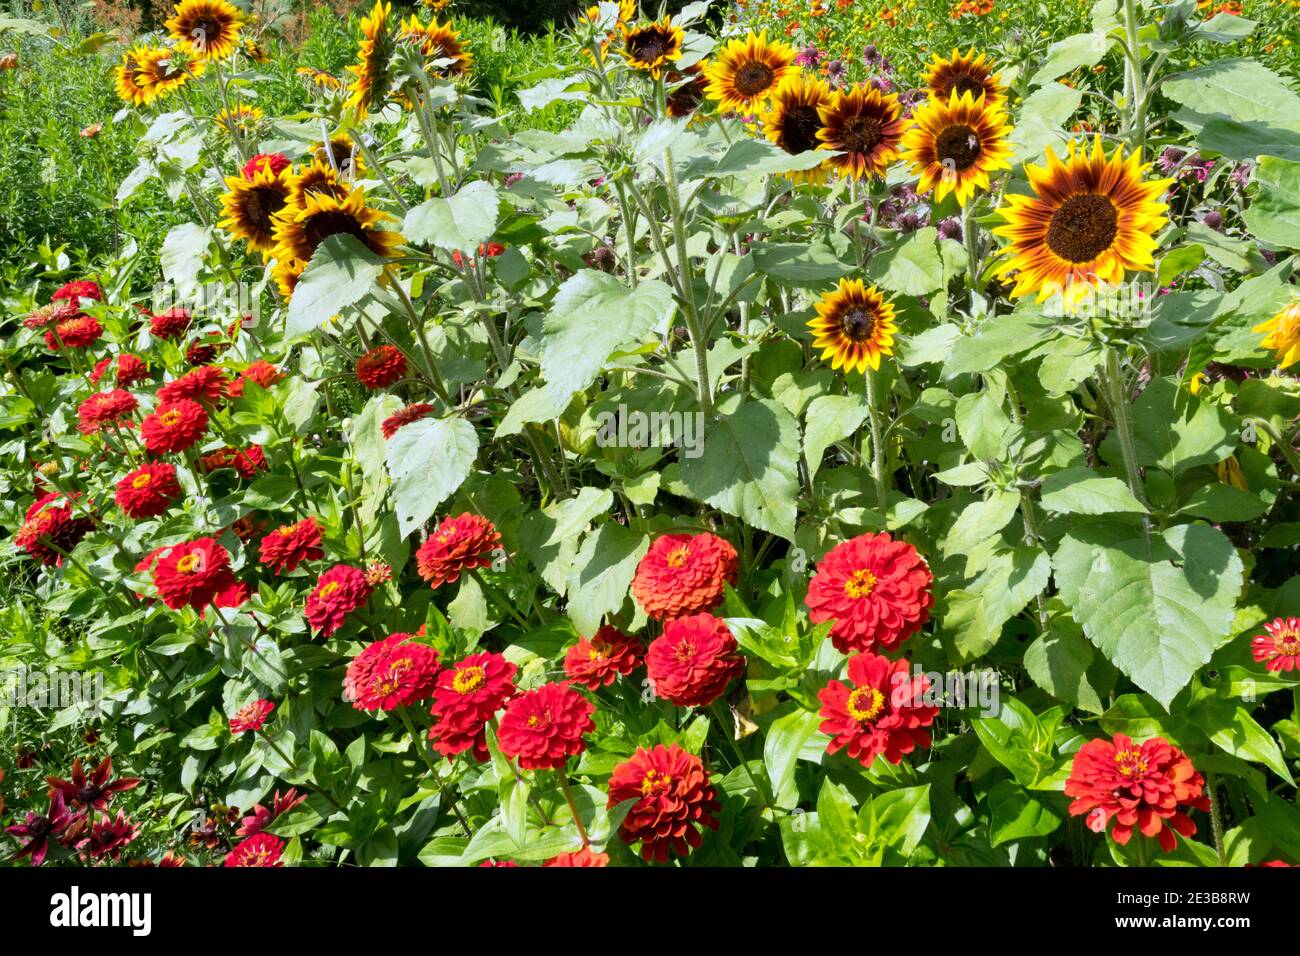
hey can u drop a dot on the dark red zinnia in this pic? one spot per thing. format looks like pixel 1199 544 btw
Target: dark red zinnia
pixel 128 369
pixel 49 528
pixel 465 699
pixel 193 574
pixel 341 590
pixel 693 661
pixel 395 672
pixel 148 491
pixel 683 574
pixel 673 800
pixel 170 324
pixel 381 367
pixel 77 290
pixel 875 589
pixel 598 662
pixel 252 716
pixel 290 545
pixel 879 712
pixel 264 849
pixel 458 545
pixel 404 416
pixel 174 426
pixel 105 408
pixel 207 383
pixel 74 333
pixel 544 727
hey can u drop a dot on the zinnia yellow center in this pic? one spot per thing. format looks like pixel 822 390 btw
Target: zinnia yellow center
pixel 168 419
pixel 865 704
pixel 468 680
pixel 677 557
pixel 1287 641
pixel 139 481
pixel 653 780
pixel 189 563
pixel 861 584
pixel 329 589
pixel 1130 763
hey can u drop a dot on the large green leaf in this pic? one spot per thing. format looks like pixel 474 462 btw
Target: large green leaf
pixel 602 574
pixel 459 223
pixel 831 418
pixel 913 267
pixel 1082 491
pixel 427 461
pixel 341 272
pixel 1274 213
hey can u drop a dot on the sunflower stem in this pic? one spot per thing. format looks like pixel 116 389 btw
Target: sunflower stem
pixel 693 326
pixel 877 443
pixel 1119 406
pixel 1216 817
pixel 1138 124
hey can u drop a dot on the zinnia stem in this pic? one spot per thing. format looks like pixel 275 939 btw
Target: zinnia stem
pixel 1216 817
pixel 402 712
pixel 573 806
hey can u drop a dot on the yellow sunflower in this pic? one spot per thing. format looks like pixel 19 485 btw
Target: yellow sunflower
pixel 794 120
pixel 241 117
pixel 372 77
pixel 300 230
pixel 865 126
pixel 746 72
pixel 160 70
pixel 653 46
pixel 854 326
pixel 249 206
pixel 954 144
pixel 255 51
pixel 319 78
pixel 438 41
pixel 342 154
pixel 127 79
pixel 315 177
pixel 1283 334
pixel 964 73
pixel 286 273
pixel 626 14
pixel 1089 219
pixel 207 28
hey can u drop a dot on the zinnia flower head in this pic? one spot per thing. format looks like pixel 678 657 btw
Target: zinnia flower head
pixel 598 662
pixel 404 416
pixel 169 324
pixel 878 712
pixel 543 728
pixel 465 699
pixel 683 574
pixel 261 373
pixel 391 673
pixel 49 528
pixel 77 290
pixel 584 857
pixel 458 545
pixel 381 366
pixel 276 162
pixel 174 426
pixel 291 544
pixel 875 589
pixel 252 716
pixel 148 491
pixel 693 661
pixel 193 574
pixel 261 817
pixel 673 800
pixel 74 333
pixel 206 383
pixel 105 408
pixel 129 370
pixel 341 590
pixel 263 849
pixel 1279 648
pixel 1121 785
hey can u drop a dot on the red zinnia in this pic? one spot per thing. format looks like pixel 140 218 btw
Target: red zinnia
pixel 465 699
pixel 74 333
pixel 207 383
pixel 391 673
pixel 277 161
pixel 583 857
pixel 264 849
pixel 341 590
pixel 174 426
pixel 880 713
pixel 458 545
pixel 193 574
pixel 1131 785
pixel 1279 649
pixel 105 408
pixel 875 589
pixel 249 461
pixel 404 416
pixel 683 574
pixel 544 727
pixel 77 290
pixel 673 799
pixel 261 373
pixel 169 324
pixel 693 661
pixel 50 528
pixel 148 491
pixel 596 663
pixel 381 367
pixel 290 545
pixel 251 716
pixel 129 370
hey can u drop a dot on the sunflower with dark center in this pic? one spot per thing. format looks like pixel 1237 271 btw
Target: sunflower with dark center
pixel 651 47
pixel 342 155
pixel 953 145
pixel 745 73
pixel 795 120
pixel 438 41
pixel 299 232
pixel 249 207
pixel 161 70
pixel 131 87
pixel 865 127
pixel 372 77
pixel 685 97
pixel 315 177
pixel 854 326
pixel 1090 219
pixel 963 73
pixel 207 28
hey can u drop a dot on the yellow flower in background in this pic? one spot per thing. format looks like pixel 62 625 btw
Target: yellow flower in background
pixel 319 78
pixel 953 145
pixel 371 78
pixel 794 120
pixel 159 71
pixel 242 117
pixel 438 41
pixel 854 326
pixel 1090 219
pixel 207 28
pixel 964 73
pixel 745 73
pixel 299 231
pixel 1283 334
pixel 316 177
pixel 1230 473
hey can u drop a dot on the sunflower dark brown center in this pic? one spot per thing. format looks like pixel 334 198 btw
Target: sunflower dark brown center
pixel 799 128
pixel 964 83
pixel 206 32
pixel 754 78
pixel 260 204
pixel 858 324
pixel 321 226
pixel 959 145
pixel 1083 227
pixel 861 134
pixel 649 45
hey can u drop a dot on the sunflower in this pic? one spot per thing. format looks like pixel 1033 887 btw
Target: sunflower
pixel 319 78
pixel 746 72
pixel 241 117
pixel 374 58
pixel 286 274
pixel 651 47
pixel 299 231
pixel 207 28
pixel 160 70
pixel 438 41
pixel 255 51
pixel 865 126
pixel 954 144
pixel 1283 334
pixel 249 207
pixel 127 80
pixel 315 177
pixel 854 326
pixel 1089 220
pixel 626 14
pixel 342 154
pixel 794 120
pixel 965 73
